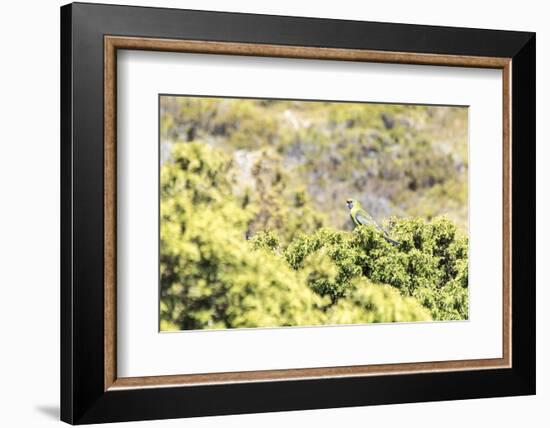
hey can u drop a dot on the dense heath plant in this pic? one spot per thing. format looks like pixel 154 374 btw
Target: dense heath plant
pixel 263 256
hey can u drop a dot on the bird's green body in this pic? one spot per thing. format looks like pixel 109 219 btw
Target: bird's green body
pixel 362 218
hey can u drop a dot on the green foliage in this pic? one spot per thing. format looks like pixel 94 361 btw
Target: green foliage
pixel 210 277
pixel 371 303
pixel 329 258
pixel 259 255
pixel 430 263
pixel 266 240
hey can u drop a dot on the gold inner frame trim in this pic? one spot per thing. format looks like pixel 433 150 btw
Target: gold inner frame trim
pixel 113 43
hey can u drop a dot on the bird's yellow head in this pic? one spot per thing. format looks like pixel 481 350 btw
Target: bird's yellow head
pixel 352 203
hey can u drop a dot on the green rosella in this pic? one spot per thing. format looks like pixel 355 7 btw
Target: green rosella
pixel 361 217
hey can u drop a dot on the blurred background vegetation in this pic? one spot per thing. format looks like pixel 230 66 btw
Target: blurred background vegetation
pixel 254 227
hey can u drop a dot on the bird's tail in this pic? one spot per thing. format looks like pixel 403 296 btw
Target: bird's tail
pixel 391 241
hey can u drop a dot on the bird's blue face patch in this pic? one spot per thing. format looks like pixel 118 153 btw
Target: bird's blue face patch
pixel 349 204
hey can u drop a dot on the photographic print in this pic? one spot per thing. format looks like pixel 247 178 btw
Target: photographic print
pixel 286 213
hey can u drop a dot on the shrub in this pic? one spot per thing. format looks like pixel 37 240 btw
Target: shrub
pixel 372 303
pixel 218 270
pixel 430 263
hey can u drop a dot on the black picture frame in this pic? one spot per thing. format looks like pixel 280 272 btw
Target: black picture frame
pixel 83 398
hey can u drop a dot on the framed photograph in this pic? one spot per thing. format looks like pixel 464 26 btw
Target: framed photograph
pixel 266 213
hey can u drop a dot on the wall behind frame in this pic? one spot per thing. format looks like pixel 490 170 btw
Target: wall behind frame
pixel 29 219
